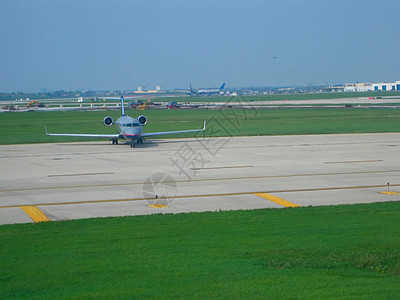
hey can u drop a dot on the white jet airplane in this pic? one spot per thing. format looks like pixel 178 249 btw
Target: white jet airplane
pixel 129 128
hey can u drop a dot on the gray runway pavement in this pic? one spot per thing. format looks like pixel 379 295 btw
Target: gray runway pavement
pixel 96 179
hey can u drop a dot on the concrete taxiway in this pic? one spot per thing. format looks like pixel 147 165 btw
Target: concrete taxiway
pixel 41 182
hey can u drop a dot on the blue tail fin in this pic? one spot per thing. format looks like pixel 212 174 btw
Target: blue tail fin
pixel 122 106
pixel 222 86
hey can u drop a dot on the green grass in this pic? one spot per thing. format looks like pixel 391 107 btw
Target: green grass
pixel 344 252
pixel 28 127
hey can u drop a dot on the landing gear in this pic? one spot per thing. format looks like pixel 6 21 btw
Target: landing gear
pixel 139 141
pixel 115 141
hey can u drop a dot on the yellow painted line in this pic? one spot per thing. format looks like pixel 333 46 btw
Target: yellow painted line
pixel 209 195
pixel 157 206
pixel 35 214
pixel 278 200
pixel 390 193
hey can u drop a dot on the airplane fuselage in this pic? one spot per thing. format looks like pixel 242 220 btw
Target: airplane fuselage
pixel 208 91
pixel 129 128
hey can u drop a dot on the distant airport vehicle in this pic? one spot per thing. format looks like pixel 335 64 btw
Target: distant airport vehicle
pixel 210 91
pixel 135 103
pixel 9 107
pixel 129 128
pixel 35 103
pixel 172 104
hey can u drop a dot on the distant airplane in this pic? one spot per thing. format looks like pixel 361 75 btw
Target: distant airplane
pixel 129 129
pixel 209 91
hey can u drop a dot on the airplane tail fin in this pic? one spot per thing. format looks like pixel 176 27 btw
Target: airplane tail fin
pixel 122 106
pixel 222 86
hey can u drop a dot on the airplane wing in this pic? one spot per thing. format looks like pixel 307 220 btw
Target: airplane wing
pixel 106 136
pixel 172 132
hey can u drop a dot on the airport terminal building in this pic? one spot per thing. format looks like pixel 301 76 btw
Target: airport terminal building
pixel 364 87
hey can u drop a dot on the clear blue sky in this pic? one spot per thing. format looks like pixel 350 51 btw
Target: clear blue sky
pixel 101 45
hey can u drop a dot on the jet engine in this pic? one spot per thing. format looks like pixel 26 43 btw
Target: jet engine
pixel 142 120
pixel 108 121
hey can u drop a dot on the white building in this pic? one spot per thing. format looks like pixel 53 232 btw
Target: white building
pixel 364 87
pixel 387 86
pixel 349 87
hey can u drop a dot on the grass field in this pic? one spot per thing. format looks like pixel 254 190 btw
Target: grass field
pixel 28 127
pixel 346 252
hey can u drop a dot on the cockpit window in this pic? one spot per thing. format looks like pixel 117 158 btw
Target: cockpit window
pixel 129 124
